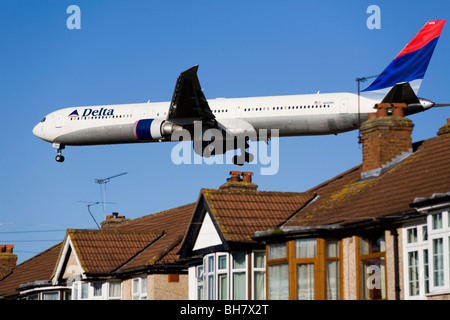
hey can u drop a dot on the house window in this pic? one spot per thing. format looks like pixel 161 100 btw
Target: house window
pixel 115 290
pixel 97 289
pixel 209 276
pixel 332 269
pixel 416 258
pixel 259 273
pixel 278 282
pixel 305 250
pixel 222 277
pixel 372 262
pixel 239 275
pixel 304 269
pixel 439 251
pixel 84 290
pixel 427 270
pixel 139 288
pixel 199 274
pixel 53 295
pixel 228 276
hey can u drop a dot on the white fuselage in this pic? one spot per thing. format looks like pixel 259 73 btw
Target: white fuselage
pixel 291 115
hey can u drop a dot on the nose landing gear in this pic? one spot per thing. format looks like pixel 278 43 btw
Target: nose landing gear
pixel 60 147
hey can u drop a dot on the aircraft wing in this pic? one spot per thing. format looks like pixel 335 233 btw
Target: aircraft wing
pixel 188 101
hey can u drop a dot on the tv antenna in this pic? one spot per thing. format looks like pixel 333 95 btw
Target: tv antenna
pixel 104 182
pixel 90 204
pixel 359 80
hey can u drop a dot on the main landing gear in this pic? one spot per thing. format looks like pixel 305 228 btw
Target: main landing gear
pixel 60 147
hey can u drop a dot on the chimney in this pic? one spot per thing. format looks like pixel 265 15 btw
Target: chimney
pixel 239 181
pixel 386 139
pixel 445 129
pixel 113 220
pixel 7 259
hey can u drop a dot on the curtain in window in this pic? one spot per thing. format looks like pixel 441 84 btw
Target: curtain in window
pixel 50 296
pixel 278 282
pixel 373 279
pixel 332 248
pixel 332 280
pixel 305 248
pixel 114 289
pixel 413 273
pixel 277 251
pixel 438 262
pixel 239 283
pixel 258 286
pixel 305 281
pixel 223 280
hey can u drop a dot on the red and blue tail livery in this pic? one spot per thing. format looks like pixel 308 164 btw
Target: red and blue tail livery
pixel 412 62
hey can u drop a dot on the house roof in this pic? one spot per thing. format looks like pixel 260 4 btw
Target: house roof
pixel 146 241
pixel 151 240
pixel 37 268
pixel 239 214
pixel 172 223
pixel 347 199
pixel 238 210
pixel 105 251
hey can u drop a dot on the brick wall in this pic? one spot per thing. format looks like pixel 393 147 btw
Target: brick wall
pixel 8 259
pixel 385 138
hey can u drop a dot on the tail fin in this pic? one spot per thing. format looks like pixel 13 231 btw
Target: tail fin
pixel 411 63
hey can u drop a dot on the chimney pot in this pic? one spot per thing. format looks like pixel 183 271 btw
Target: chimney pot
pixel 398 109
pixel 382 109
pixel 247 176
pixel 235 176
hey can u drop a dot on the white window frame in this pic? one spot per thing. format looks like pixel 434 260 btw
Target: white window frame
pixel 256 270
pixel 139 288
pixel 78 288
pixel 200 282
pixel 235 271
pixel 223 272
pixel 427 245
pixel 444 234
pixel 419 246
pixel 210 272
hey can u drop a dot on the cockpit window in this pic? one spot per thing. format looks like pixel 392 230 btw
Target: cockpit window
pixel 43 120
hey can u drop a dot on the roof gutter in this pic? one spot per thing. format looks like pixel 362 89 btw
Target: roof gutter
pixel 332 229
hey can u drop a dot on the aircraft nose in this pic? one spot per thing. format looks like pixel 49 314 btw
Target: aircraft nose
pixel 37 130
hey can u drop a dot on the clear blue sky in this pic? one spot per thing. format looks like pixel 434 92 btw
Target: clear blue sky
pixel 133 51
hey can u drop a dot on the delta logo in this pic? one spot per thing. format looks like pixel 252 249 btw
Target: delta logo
pixel 93 112
pixel 74 114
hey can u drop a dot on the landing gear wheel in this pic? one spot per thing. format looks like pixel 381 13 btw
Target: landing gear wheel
pixel 59 158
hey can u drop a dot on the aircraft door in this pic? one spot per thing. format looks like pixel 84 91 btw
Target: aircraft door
pixel 344 106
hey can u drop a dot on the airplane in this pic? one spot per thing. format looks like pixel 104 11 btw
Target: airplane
pixel 291 115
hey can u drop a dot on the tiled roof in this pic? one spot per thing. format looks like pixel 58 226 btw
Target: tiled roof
pixel 240 213
pixel 37 268
pixel 173 223
pixel 348 199
pixel 150 240
pixel 104 251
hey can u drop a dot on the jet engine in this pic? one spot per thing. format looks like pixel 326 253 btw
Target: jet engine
pixel 154 129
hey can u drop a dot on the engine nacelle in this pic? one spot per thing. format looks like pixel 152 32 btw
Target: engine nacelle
pixel 154 129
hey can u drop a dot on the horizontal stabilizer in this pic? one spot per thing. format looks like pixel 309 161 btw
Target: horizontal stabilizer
pixel 401 92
